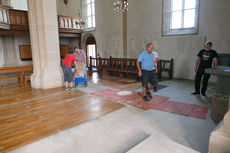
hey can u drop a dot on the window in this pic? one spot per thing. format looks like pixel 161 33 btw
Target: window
pixel 180 17
pixel 88 13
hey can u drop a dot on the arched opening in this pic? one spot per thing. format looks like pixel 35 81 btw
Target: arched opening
pixel 91 48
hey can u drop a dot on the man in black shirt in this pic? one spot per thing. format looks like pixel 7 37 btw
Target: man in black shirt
pixel 204 59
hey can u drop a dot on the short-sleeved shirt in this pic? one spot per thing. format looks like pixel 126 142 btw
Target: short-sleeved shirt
pixel 156 55
pixel 206 58
pixel 69 59
pixel 146 60
pixel 81 56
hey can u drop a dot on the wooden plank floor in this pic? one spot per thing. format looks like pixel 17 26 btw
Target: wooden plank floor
pixel 27 115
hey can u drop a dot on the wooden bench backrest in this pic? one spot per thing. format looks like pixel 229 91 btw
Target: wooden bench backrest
pixel 166 65
pixel 129 65
pixel 104 62
pixel 18 68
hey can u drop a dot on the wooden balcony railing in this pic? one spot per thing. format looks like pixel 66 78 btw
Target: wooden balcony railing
pixel 4 17
pixel 18 20
pixel 69 22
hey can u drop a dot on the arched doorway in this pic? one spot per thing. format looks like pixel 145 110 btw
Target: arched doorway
pixel 91 49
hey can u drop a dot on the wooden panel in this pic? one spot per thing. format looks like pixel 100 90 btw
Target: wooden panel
pixel 25 52
pixel 69 35
pixel 15 32
pixel 64 49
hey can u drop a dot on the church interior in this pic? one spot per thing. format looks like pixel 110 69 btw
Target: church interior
pixel 106 113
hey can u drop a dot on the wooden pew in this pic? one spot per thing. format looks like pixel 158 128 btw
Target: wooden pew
pixel 117 65
pixel 19 72
pixel 93 65
pixel 104 64
pixel 130 66
pixel 126 65
pixel 165 66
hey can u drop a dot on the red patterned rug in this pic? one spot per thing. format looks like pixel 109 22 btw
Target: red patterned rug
pixel 161 103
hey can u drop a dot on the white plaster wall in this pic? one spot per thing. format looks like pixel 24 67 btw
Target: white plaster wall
pixel 108 32
pixel 73 8
pixel 2 61
pixel 6 2
pixel 144 26
pixel 19 4
pixel 21 40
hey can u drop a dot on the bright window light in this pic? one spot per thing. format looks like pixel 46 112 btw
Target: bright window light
pixel 88 9
pixel 183 14
pixel 176 20
pixel 189 4
pixel 180 17
pixel 176 5
pixel 189 18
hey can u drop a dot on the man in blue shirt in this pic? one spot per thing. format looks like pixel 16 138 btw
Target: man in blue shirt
pixel 145 71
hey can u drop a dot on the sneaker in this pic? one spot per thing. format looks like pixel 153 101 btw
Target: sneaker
pixel 145 98
pixel 195 93
pixel 149 95
pixel 66 89
pixel 203 94
pixel 155 89
pixel 72 88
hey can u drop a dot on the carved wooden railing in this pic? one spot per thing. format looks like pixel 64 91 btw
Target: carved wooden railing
pixel 4 17
pixel 69 22
pixel 18 19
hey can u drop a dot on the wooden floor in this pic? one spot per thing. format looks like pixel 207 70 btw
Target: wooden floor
pixel 27 115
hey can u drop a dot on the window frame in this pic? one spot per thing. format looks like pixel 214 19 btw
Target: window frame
pixel 167 20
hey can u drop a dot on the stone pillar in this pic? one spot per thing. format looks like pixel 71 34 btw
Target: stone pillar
pixel 9 51
pixel 220 138
pixel 44 38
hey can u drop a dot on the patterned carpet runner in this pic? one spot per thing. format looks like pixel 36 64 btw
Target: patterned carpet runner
pixel 161 103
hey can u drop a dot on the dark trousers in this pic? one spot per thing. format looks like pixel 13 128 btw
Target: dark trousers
pixel 199 74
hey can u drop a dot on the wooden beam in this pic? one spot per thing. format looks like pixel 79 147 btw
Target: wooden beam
pixel 14 32
pixel 64 34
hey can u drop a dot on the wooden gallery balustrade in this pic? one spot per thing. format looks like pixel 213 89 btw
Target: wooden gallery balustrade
pixel 4 17
pixel 68 22
pixel 16 22
pixel 18 19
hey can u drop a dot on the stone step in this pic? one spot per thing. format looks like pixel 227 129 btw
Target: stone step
pixel 160 144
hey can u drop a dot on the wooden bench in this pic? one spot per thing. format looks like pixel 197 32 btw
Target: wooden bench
pixel 21 72
pixel 165 66
pixel 93 65
pixel 117 65
pixel 126 65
